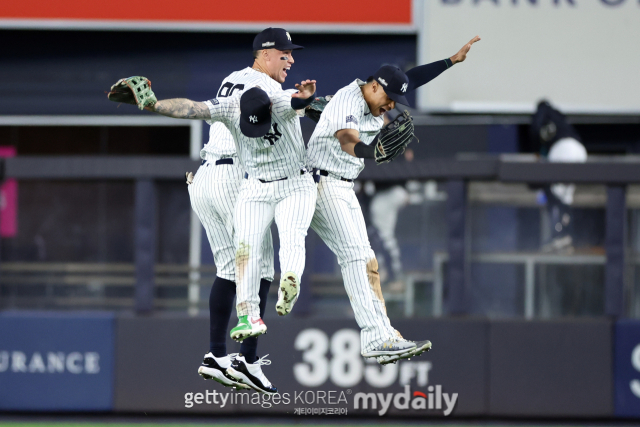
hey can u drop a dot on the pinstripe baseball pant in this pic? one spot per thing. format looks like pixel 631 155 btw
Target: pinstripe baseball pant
pixel 213 195
pixel 339 222
pixel 291 203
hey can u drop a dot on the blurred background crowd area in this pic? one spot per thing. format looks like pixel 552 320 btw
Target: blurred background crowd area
pixel 70 243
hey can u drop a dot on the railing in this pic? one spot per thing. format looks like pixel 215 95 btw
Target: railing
pixel 111 286
pixel 457 172
pixel 615 173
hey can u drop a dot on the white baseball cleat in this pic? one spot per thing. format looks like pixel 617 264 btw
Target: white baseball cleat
pixel 215 368
pixel 251 374
pixel 287 293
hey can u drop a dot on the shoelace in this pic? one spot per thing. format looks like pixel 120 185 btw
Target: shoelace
pixel 233 356
pixel 262 361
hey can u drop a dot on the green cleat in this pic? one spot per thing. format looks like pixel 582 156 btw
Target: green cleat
pixel 248 327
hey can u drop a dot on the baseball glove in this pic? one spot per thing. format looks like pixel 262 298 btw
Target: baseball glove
pixel 315 109
pixel 134 90
pixel 394 138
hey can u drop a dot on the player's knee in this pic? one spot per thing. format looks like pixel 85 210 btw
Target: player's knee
pixel 374 278
pixel 344 262
pixel 372 272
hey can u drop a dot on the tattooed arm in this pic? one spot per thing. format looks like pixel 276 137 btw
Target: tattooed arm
pixel 181 108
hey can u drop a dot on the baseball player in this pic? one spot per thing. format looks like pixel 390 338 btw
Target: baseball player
pixel 342 138
pixel 214 193
pixel 277 187
pixel 262 156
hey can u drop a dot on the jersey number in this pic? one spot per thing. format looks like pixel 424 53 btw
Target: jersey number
pixel 228 88
pixel 274 136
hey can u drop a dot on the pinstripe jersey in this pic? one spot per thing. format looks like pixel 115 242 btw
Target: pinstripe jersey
pixel 346 110
pixel 221 143
pixel 281 152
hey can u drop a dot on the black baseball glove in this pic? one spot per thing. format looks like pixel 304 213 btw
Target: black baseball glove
pixel 394 138
pixel 315 109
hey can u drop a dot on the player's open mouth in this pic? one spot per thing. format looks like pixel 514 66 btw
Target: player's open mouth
pixel 284 70
pixel 382 111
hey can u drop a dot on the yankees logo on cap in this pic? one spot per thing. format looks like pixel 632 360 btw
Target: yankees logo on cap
pixel 274 38
pixel 394 82
pixel 255 113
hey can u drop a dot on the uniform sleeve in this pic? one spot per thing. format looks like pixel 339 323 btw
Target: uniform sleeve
pixel 282 104
pixel 221 109
pixel 344 111
pixel 423 74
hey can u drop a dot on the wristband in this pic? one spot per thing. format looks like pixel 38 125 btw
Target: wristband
pixel 301 104
pixel 364 151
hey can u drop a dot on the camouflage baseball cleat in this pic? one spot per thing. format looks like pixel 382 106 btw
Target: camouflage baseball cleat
pixel 287 293
pixel 392 347
pixel 247 327
pixel 421 347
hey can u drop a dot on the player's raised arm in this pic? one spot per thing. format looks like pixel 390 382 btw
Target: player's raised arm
pixel 136 90
pixel 462 53
pixel 181 108
pixel 286 103
pixel 423 74
pixel 304 96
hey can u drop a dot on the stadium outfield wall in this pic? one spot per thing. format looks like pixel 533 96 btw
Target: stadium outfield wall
pixel 478 367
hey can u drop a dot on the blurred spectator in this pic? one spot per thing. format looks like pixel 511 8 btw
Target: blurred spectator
pixel 559 142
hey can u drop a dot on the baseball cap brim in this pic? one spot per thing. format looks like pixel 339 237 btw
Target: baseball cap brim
pixel 289 46
pixel 399 99
pixel 251 130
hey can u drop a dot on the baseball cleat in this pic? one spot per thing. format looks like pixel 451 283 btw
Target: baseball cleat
pixel 215 368
pixel 394 346
pixel 421 347
pixel 287 293
pixel 251 374
pixel 189 177
pixel 248 326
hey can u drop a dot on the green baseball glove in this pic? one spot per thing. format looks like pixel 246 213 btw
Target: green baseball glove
pixel 134 90
pixel 394 138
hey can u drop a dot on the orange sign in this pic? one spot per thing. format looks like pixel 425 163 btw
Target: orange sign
pixel 385 12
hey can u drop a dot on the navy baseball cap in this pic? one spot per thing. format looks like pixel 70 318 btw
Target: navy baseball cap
pixel 394 82
pixel 255 113
pixel 274 38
